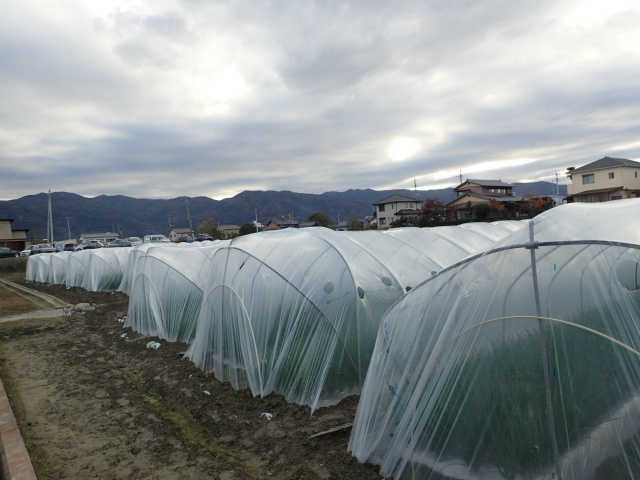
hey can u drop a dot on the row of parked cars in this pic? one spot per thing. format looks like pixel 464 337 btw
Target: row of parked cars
pixel 87 245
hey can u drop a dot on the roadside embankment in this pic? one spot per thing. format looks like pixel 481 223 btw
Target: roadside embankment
pixel 13 265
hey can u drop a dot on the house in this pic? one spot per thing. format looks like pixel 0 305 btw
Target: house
pixel 279 224
pixel 177 233
pixel 369 222
pixel 229 231
pixel 15 239
pixel 342 227
pixel 308 224
pixel 472 193
pixel 605 179
pixel 393 208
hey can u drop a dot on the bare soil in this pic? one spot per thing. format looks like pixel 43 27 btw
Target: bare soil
pixel 93 401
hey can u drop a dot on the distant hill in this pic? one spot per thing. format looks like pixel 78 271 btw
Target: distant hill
pixel 138 216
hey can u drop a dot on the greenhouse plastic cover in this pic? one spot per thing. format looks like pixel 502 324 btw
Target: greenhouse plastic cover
pixel 520 363
pixel 105 268
pixel 297 311
pixel 166 289
pixel 293 311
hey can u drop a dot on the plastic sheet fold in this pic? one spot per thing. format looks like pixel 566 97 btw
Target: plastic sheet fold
pixel 519 363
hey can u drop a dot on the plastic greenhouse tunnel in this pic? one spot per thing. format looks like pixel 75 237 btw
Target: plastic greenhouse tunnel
pixel 297 311
pixel 167 289
pixel 519 363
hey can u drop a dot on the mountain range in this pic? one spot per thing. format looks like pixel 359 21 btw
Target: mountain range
pixel 74 214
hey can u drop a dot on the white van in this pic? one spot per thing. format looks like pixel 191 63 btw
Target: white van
pixel 134 241
pixel 155 239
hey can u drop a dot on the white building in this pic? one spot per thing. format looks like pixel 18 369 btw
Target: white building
pixel 395 207
pixel 105 238
pixel 605 179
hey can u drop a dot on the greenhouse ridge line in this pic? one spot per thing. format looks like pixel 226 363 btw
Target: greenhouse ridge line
pixel 534 245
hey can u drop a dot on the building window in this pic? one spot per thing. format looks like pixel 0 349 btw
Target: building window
pixel 636 172
pixel 616 197
pixel 381 208
pixel 383 221
pixel 611 174
pixel 589 178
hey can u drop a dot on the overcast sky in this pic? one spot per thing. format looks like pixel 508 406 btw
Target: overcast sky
pixel 165 98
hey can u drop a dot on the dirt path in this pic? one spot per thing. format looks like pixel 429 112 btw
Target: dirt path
pixel 93 401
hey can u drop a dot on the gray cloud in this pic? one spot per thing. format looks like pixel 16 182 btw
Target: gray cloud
pixel 211 98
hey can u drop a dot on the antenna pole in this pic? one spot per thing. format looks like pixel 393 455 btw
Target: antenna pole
pixel 186 201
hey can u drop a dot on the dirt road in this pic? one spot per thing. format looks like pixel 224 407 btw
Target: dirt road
pixel 93 401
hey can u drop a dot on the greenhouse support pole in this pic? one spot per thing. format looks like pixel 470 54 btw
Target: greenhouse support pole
pixel 543 347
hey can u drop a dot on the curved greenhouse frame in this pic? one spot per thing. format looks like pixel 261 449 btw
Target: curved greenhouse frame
pixel 77 266
pixel 104 269
pixel 58 267
pixel 297 311
pixel 522 362
pixel 167 290
pixel 39 268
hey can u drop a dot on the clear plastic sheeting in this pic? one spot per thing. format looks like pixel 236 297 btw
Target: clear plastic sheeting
pixel 167 290
pixel 292 311
pixel 297 311
pixel 130 271
pixel 58 267
pixel 520 363
pixel 494 231
pixel 104 269
pixel 77 267
pixel 38 268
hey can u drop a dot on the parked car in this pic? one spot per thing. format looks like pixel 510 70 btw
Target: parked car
pixel 120 242
pixel 201 237
pixel 26 251
pixel 6 252
pixel 134 241
pixel 69 247
pixel 43 248
pixel 90 244
pixel 155 239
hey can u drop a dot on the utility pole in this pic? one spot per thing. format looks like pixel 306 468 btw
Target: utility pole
pixel 49 220
pixel 68 228
pixel 170 226
pixel 256 220
pixel 460 176
pixel 186 201
pixel 557 186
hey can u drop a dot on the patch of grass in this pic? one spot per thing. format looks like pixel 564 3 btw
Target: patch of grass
pixel 11 303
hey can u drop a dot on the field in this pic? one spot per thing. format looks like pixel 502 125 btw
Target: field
pixel 93 401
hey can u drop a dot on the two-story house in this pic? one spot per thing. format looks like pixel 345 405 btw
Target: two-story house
pixel 177 234
pixel 475 192
pixel 605 179
pixel 395 207
pixel 14 238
